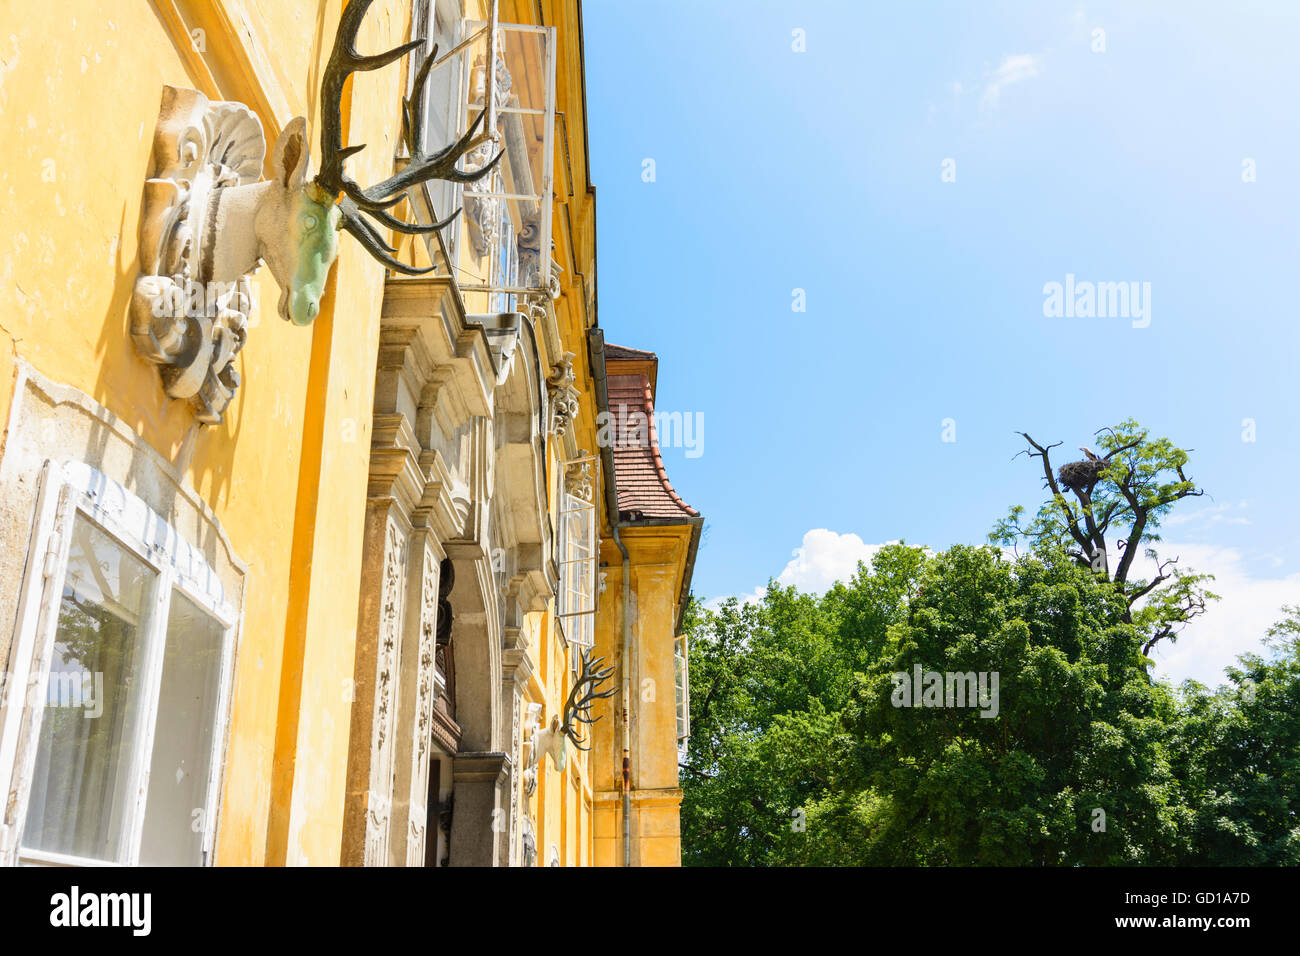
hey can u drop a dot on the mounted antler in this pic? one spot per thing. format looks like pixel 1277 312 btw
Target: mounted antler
pixel 577 709
pixel 374 201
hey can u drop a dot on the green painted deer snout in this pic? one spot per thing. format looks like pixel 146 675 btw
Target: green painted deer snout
pixel 298 220
pixel 313 234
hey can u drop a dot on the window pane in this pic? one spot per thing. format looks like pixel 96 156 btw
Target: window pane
pixel 176 812
pixel 79 797
pixel 442 106
pixel 576 596
pixel 507 213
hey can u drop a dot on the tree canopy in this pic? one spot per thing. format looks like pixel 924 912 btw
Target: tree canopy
pixel 1128 489
pixel 1042 738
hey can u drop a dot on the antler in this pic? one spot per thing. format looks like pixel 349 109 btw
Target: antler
pixel 332 179
pixel 583 692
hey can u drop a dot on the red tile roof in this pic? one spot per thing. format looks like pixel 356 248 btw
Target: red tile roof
pixel 643 487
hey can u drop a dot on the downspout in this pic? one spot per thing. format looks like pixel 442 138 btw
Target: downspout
pixel 627 701
pixel 596 346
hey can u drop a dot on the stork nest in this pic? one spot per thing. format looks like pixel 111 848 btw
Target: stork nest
pixel 1081 475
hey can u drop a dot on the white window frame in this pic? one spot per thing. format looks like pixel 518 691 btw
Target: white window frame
pixel 66 490
pixel 581 633
pixel 423 22
pixel 484 189
pixel 682 688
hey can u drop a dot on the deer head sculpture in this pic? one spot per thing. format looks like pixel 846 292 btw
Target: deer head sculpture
pixel 585 689
pixel 295 220
pixel 577 711
pixel 208 220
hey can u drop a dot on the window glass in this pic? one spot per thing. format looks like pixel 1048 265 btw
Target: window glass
pixel 442 101
pixel 80 785
pixel 681 668
pixel 175 818
pixel 577 595
pixel 507 213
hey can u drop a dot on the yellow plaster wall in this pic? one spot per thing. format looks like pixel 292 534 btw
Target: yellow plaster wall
pixel 657 563
pixel 559 805
pixel 306 822
pixel 80 86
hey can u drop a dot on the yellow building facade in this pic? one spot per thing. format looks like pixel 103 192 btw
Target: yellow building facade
pixel 349 588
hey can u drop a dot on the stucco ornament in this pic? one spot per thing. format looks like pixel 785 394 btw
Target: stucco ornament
pixel 529 753
pixel 189 312
pixel 528 854
pixel 208 222
pixel 563 394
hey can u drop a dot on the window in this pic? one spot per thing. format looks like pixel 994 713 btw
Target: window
pixel 438 21
pixel 501 242
pixel 507 214
pixel 128 653
pixel 578 555
pixel 681 668
pixel 505 265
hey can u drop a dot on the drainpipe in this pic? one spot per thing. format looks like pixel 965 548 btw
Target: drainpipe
pixel 627 702
pixel 596 346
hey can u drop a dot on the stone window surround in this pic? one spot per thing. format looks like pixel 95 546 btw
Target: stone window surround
pixel 65 453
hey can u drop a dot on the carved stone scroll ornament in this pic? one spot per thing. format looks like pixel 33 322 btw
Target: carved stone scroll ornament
pixel 560 386
pixel 388 661
pixel 531 749
pixel 578 479
pixel 529 853
pixel 536 302
pixel 182 320
pixel 428 664
pixel 207 222
pixel 514 790
pixel 530 265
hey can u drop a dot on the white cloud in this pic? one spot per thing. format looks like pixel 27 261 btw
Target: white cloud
pixel 1210 514
pixel 753 597
pixel 1013 69
pixel 1231 626
pixel 823 558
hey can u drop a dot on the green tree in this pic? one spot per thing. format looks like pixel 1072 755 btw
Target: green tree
pixel 1074 725
pixel 1126 489
pixel 1239 755
pixel 801 753
pixel 769 683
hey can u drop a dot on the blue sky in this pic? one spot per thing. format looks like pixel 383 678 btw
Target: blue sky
pixel 821 170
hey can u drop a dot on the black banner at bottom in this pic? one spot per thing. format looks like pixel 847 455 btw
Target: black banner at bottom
pixel 331 905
